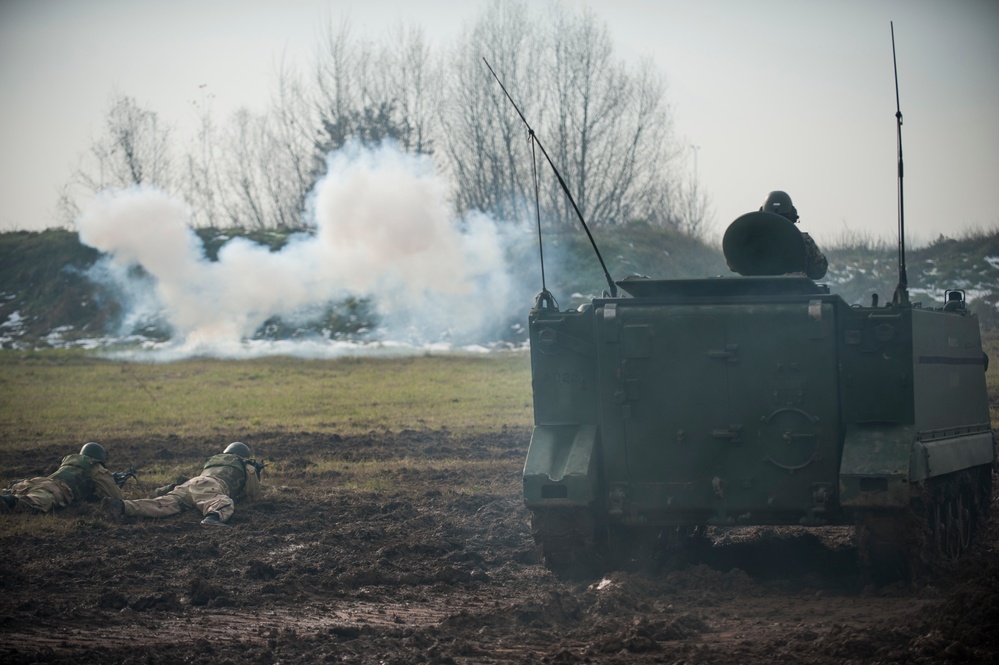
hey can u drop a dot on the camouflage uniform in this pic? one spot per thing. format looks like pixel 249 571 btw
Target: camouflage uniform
pixel 224 478
pixel 815 261
pixel 78 478
pixel 779 203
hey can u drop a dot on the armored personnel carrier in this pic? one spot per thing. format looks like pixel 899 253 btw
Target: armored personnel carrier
pixel 756 399
pixel 760 399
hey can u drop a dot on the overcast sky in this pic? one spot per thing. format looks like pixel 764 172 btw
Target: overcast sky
pixel 775 94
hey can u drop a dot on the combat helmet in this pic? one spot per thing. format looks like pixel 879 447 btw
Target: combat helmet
pixel 238 448
pixel 780 203
pixel 96 451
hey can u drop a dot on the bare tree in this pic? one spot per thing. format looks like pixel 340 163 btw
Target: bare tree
pixel 612 125
pixel 605 123
pixel 374 92
pixel 691 210
pixel 290 147
pixel 133 150
pixel 201 182
pixel 487 148
pixel 256 174
pixel 415 79
pixel 592 98
pixel 688 205
pixel 338 95
pixel 243 174
pixel 607 127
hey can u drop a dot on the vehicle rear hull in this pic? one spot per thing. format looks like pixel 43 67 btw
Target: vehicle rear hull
pixel 749 401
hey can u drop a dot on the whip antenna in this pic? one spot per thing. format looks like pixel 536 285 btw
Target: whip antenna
pixel 902 290
pixel 545 295
pixel 535 140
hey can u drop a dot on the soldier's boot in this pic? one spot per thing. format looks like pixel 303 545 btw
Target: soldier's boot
pixel 113 508
pixel 213 519
pixel 8 502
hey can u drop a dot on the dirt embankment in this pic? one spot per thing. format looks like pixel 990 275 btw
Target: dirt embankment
pixel 416 572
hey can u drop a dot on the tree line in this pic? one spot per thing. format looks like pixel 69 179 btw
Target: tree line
pixel 606 124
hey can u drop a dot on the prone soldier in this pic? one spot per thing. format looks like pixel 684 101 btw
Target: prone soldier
pixel 79 477
pixel 230 475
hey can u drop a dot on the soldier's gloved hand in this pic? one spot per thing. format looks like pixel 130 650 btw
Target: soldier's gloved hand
pixel 160 491
pixel 120 477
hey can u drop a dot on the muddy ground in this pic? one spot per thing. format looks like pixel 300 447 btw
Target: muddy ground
pixel 412 571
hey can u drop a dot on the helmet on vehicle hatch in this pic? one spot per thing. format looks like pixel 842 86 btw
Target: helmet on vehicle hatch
pixel 238 448
pixel 780 203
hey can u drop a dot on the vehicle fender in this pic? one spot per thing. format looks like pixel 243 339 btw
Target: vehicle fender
pixel 874 468
pixel 941 456
pixel 561 466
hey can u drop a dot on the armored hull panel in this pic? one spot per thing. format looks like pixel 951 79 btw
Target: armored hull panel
pixel 761 400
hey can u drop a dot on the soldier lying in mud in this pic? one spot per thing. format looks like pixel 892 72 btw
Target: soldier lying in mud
pixel 230 475
pixel 80 477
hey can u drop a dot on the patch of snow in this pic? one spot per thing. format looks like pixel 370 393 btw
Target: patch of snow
pixel 14 321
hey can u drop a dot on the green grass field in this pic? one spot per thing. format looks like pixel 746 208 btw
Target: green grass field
pixel 61 398
pixel 70 396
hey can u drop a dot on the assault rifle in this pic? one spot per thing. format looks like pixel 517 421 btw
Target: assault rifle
pixel 259 466
pixel 121 476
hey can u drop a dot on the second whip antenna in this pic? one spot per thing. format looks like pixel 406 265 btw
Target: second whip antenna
pixel 535 140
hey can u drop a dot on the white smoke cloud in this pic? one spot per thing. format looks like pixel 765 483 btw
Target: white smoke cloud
pixel 384 230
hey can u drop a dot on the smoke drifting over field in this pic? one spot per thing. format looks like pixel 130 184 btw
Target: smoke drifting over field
pixel 384 231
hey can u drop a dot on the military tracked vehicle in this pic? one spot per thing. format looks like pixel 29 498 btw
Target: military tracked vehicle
pixel 756 399
pixel 761 399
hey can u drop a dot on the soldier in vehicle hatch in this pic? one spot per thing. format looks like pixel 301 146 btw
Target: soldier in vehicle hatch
pixel 230 475
pixel 79 477
pixel 815 261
